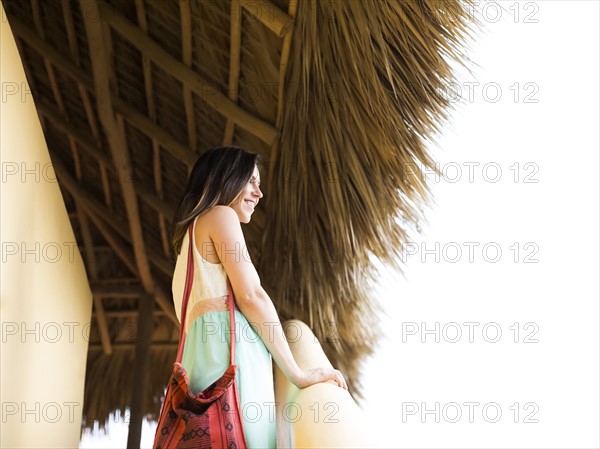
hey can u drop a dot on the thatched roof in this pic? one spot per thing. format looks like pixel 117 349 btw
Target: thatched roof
pixel 339 97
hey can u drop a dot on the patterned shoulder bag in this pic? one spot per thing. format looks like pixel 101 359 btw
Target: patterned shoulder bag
pixel 212 418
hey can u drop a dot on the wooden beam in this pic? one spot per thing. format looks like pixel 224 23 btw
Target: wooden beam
pixel 91 148
pixel 167 141
pixel 235 45
pixel 103 214
pixel 116 140
pixel 186 51
pixel 84 94
pixel 269 14
pixel 146 63
pixel 205 90
pixel 103 219
pixel 156 163
pixel 87 84
pixel 141 122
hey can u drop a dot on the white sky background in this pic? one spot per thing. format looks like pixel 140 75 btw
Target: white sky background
pixel 544 213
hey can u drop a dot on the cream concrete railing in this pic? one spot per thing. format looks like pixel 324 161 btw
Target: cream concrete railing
pixel 319 416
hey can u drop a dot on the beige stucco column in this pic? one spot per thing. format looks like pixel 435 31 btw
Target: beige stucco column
pixel 45 299
pixel 322 415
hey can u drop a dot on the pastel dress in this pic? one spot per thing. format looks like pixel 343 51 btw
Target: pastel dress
pixel 206 350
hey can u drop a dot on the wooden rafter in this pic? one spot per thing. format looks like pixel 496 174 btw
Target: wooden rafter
pixel 119 243
pixel 134 117
pixel 84 143
pixel 82 217
pixel 148 87
pixel 141 122
pixel 116 140
pixel 185 14
pixel 235 46
pixel 87 145
pixel 85 94
pixel 205 90
pixel 102 214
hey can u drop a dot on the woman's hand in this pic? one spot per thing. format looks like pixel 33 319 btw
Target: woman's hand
pixel 312 376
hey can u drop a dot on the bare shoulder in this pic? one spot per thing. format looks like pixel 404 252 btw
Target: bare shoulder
pixel 219 216
pixel 220 212
pixel 225 233
pixel 220 219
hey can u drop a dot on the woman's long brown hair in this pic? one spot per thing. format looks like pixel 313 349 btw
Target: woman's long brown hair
pixel 218 177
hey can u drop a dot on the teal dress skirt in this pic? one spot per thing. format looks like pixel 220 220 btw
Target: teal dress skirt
pixel 206 357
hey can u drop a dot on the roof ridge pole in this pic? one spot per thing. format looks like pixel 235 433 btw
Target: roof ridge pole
pixel 115 135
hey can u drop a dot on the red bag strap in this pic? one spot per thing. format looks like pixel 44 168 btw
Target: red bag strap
pixel 189 279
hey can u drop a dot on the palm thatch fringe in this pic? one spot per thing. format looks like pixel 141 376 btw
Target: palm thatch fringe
pixel 105 382
pixel 365 88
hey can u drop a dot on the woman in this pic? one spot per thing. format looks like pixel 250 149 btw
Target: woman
pixel 222 192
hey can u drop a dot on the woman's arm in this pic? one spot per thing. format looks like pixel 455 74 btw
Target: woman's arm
pixel 228 239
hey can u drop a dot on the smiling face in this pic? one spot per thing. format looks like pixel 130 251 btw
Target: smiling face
pixel 247 200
